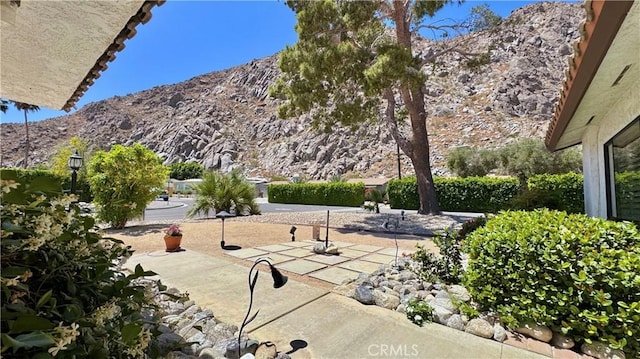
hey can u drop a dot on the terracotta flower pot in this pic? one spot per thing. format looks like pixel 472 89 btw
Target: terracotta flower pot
pixel 172 243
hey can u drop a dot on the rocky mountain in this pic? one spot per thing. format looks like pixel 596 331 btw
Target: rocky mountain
pixel 226 119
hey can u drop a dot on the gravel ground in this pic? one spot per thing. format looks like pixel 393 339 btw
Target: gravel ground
pixel 204 235
pixel 412 224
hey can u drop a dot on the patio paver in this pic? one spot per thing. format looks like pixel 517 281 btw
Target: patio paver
pixel 301 266
pixel 274 248
pixel 330 260
pixel 360 266
pixel 365 248
pixel 351 253
pixel 274 257
pixel 392 251
pixel 334 275
pixel 297 252
pixel 342 244
pixel 298 244
pixel 379 258
pixel 246 253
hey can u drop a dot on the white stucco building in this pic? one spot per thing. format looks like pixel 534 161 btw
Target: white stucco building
pixel 599 108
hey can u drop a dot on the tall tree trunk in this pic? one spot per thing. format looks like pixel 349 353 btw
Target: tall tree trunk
pixel 26 148
pixel 413 99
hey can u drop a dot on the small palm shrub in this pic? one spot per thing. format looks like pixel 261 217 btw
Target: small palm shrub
pixel 224 192
pixel 62 294
pixel 576 274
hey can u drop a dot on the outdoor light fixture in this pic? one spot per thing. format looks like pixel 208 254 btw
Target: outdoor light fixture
pixel 293 233
pixel 395 223
pixel 223 215
pixel 75 162
pixel 402 214
pixel 279 280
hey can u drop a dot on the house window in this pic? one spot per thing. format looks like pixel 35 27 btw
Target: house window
pixel 623 173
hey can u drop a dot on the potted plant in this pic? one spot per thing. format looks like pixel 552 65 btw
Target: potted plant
pixel 172 238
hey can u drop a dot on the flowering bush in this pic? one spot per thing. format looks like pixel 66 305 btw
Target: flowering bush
pixel 419 311
pixel 173 230
pixel 62 294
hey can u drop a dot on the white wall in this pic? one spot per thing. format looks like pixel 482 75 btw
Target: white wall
pixel 593 140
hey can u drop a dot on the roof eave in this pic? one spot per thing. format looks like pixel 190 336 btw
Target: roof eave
pixel 604 18
pixel 142 16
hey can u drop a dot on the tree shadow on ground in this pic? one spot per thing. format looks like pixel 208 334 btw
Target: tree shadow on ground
pixel 138 230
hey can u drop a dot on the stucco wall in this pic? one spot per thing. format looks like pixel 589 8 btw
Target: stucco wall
pixel 597 134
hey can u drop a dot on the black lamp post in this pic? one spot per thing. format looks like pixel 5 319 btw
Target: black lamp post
pixel 75 162
pixel 223 215
pixel 279 280
pixel 395 223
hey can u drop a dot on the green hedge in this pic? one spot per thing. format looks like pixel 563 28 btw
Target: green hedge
pixel 576 274
pixel 60 183
pixel 470 194
pixel 331 194
pixel 563 192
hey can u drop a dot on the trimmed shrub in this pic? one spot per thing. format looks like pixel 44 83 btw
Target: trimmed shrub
pixel 330 194
pixel 564 192
pixel 577 275
pixel 471 194
pixel 475 194
pixel 403 193
pixel 62 294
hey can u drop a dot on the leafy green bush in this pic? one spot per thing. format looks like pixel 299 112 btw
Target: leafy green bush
pixel 563 192
pixel 575 274
pixel 62 294
pixel 123 181
pixel 529 156
pixel 447 266
pixel 469 161
pixel 418 311
pixel 185 170
pixel 473 194
pixel 331 194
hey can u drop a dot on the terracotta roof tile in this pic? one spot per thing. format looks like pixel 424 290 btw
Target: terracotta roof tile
pixel 142 16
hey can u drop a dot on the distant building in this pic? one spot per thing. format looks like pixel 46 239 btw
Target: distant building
pixel 379 184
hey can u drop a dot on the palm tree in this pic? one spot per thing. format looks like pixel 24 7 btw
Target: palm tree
pixel 26 108
pixel 219 192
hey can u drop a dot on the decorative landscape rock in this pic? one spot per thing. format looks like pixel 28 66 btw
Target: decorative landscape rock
pixel 601 351
pixel 266 351
pixel 562 341
pixel 455 322
pixel 332 249
pixel 386 299
pixel 479 327
pixel 459 293
pixel 181 321
pixel 320 248
pixel 364 294
pixel 499 333
pixel 536 331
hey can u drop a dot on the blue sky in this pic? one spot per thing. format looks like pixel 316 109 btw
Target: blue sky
pixel 189 38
